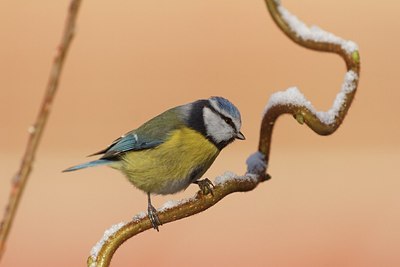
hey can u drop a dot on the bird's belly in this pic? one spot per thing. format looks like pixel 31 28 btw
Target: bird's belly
pixel 171 166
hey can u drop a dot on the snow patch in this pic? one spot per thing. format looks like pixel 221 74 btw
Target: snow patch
pixel 229 176
pixel 107 234
pixel 293 96
pixel 256 163
pixel 173 203
pixel 314 33
pixel 139 216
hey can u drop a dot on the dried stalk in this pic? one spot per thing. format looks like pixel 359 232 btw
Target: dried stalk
pixel 303 114
pixel 36 131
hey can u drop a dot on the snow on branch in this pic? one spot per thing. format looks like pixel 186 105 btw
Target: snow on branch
pixel 107 234
pixel 292 101
pixel 293 96
pixel 172 210
pixel 313 37
pixel 256 163
pixel 314 33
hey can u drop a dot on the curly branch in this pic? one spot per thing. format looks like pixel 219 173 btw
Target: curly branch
pixel 291 101
pixel 36 131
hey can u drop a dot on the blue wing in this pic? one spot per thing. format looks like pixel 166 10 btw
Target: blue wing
pixel 149 135
pixel 128 142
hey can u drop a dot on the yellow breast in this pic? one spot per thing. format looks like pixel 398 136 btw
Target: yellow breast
pixel 171 166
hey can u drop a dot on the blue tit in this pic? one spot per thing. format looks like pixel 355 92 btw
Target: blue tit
pixel 174 149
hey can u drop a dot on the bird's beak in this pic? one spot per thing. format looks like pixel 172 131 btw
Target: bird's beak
pixel 240 136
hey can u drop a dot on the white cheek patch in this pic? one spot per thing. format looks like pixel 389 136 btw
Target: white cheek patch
pixel 216 127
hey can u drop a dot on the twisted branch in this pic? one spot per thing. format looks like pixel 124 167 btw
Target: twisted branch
pixel 315 39
pixel 36 131
pixel 290 101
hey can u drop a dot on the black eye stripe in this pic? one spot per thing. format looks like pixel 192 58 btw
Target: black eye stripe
pixel 225 118
pixel 229 121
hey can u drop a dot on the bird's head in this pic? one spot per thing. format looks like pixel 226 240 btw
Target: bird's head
pixel 217 119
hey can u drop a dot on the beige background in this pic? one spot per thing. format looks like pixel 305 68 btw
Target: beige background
pixel 333 201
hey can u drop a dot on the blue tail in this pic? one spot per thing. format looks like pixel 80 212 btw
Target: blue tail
pixel 94 163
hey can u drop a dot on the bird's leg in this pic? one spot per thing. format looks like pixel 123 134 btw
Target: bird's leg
pixel 206 186
pixel 152 213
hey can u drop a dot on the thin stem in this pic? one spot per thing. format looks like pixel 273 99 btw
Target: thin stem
pixel 36 131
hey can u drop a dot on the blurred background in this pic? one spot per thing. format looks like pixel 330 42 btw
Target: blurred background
pixel 332 201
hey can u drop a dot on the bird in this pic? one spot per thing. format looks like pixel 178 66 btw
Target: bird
pixel 174 149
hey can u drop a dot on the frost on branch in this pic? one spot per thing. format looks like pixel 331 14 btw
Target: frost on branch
pixel 256 163
pixel 314 33
pixel 107 234
pixel 170 204
pixel 293 96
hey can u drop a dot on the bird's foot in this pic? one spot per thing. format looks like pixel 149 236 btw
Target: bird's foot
pixel 206 186
pixel 152 213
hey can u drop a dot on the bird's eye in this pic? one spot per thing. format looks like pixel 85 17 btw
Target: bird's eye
pixel 228 121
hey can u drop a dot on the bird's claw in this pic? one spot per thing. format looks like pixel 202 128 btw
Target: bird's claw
pixel 152 213
pixel 206 186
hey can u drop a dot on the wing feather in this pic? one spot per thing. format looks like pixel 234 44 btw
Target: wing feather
pixel 149 135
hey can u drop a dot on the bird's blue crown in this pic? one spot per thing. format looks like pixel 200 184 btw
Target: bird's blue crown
pixel 226 105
